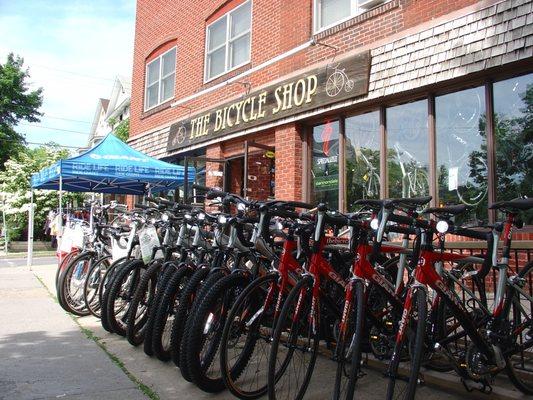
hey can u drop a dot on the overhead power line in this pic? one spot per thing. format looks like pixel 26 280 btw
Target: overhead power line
pixel 51 143
pixel 73 73
pixel 54 129
pixel 66 119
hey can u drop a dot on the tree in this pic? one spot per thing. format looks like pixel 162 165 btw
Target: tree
pixel 122 130
pixel 17 103
pixel 15 184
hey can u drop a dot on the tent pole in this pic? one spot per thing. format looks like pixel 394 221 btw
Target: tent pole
pixel 30 232
pixel 60 230
pixel 6 237
pixel 186 181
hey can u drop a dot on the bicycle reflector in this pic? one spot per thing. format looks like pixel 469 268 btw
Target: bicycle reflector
pixel 374 224
pixel 222 219
pixel 442 227
pixel 201 217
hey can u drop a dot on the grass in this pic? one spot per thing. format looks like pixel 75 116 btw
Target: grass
pixel 148 391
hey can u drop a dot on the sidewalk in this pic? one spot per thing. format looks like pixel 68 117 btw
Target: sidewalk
pixel 43 352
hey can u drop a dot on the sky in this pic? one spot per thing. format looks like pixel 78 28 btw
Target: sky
pixel 74 49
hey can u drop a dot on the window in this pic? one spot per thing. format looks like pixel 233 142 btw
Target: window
pixel 513 127
pixel 407 149
pixel 362 157
pixel 160 79
pixel 332 12
pixel 462 149
pixel 325 164
pixel 228 41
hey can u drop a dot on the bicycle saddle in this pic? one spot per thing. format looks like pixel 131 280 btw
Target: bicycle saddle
pixel 516 204
pixel 455 209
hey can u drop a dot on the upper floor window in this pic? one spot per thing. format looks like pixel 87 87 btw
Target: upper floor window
pixel 160 79
pixel 228 41
pixel 332 12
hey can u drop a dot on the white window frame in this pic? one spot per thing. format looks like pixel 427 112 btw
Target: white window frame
pixel 160 79
pixel 227 43
pixel 354 11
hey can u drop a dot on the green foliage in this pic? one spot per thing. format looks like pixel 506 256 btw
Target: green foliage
pixel 122 130
pixel 17 103
pixel 15 185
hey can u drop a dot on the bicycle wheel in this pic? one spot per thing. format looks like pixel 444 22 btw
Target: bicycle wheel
pixel 92 285
pixel 121 294
pixel 180 318
pixel 105 285
pixel 138 310
pixel 71 284
pixel 62 266
pixel 520 361
pixel 348 351
pixel 246 338
pixel 165 312
pixel 294 345
pixel 404 377
pixel 205 332
pixel 162 279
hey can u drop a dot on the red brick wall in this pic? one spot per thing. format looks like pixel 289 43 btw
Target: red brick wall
pixel 289 152
pixel 277 26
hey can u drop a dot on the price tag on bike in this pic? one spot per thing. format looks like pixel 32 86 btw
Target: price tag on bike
pixel 148 240
pixel 119 248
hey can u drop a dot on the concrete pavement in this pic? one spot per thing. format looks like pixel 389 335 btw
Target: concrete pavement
pixel 165 379
pixel 43 352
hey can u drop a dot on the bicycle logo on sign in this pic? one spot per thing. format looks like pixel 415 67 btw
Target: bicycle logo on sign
pixel 337 81
pixel 180 136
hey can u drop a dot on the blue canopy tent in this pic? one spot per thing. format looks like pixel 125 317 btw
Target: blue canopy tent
pixel 110 167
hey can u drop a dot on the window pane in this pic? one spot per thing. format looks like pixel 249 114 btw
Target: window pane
pixel 151 96
pixel 216 62
pixel 153 72
pixel 407 149
pixel 513 121
pixel 167 87
pixel 217 34
pixel 362 157
pixel 325 168
pixel 331 11
pixel 240 19
pixel 240 50
pixel 462 150
pixel 169 62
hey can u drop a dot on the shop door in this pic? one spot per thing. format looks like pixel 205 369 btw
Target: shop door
pixel 234 175
pixel 259 173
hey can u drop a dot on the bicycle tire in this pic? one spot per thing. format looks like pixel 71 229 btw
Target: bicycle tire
pixel 162 279
pixel 165 308
pixel 221 294
pixel 302 290
pixel 229 373
pixel 145 290
pixel 65 279
pixel 200 293
pixel 118 325
pixel 93 303
pixel 180 319
pixel 393 389
pixel 103 292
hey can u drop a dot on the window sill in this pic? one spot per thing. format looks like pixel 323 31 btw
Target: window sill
pixel 154 110
pixel 228 75
pixel 365 16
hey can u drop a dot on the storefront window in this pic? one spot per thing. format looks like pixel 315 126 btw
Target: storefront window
pixel 325 164
pixel 362 157
pixel 407 149
pixel 462 150
pixel 513 121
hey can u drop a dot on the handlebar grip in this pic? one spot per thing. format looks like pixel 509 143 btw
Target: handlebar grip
pixel 141 206
pixel 213 194
pixel 481 235
pixel 200 187
pixel 300 204
pixel 401 219
pixel 152 199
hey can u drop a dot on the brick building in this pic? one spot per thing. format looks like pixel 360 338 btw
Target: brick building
pixel 335 100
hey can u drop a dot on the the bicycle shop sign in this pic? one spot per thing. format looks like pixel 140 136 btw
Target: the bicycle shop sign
pixel 339 81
